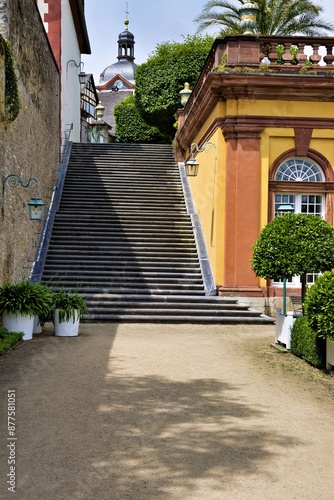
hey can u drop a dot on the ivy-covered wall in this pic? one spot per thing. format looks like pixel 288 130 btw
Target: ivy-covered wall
pixel 29 132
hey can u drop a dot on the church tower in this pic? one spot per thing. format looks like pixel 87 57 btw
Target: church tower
pixel 125 68
pixel 117 81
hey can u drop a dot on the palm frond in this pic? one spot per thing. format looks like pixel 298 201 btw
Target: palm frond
pixel 275 17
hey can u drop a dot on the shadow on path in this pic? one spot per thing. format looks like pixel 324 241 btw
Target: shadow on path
pixel 163 436
pixel 90 428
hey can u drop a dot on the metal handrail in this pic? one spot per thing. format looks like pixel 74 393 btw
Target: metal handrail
pixel 43 245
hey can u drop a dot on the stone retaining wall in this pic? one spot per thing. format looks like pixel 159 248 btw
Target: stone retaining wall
pixel 29 146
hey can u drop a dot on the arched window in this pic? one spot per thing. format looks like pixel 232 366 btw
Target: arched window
pixel 299 169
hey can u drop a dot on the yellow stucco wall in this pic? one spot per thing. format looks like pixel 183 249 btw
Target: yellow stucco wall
pixel 285 108
pixel 209 186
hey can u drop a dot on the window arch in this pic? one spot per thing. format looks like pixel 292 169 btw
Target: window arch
pixel 300 170
pixel 309 175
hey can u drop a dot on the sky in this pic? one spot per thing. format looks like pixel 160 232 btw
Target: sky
pixel 150 21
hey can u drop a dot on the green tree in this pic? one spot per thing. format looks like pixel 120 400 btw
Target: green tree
pixel 160 79
pixel 294 244
pixel 275 17
pixel 130 127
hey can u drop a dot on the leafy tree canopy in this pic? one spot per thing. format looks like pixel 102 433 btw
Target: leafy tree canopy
pixel 275 17
pixel 160 79
pixel 130 127
pixel 293 244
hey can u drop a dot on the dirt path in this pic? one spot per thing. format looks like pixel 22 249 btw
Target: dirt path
pixel 166 412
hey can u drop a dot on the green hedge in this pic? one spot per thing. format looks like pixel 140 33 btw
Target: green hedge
pixel 306 344
pixel 8 339
pixel 130 126
pixel 319 305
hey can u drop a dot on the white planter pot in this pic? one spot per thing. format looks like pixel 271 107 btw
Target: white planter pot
pixel 329 354
pixel 284 324
pixel 37 326
pixel 66 328
pixel 18 323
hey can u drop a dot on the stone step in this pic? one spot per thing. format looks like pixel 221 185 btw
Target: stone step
pixel 198 307
pixel 147 266
pixel 123 241
pixel 172 312
pixel 113 231
pixel 114 279
pixel 128 274
pixel 190 300
pixel 125 251
pixel 84 289
pixel 166 318
pixel 130 258
pixel 86 208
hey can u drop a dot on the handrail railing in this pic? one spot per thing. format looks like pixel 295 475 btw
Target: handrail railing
pixel 204 261
pixel 42 248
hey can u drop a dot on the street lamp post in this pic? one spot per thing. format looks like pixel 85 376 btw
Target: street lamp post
pixel 282 210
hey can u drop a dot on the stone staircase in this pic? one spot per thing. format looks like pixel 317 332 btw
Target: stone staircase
pixel 123 238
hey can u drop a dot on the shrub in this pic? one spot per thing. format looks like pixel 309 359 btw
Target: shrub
pixel 306 344
pixel 8 339
pixel 319 305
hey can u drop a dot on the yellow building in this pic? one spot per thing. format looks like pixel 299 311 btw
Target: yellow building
pixel 270 120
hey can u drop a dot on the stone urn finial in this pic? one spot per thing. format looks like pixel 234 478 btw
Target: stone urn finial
pixel 99 111
pixel 185 94
pixel 248 13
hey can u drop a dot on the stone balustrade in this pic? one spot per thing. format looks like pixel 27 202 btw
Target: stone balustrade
pixel 314 55
pixel 314 52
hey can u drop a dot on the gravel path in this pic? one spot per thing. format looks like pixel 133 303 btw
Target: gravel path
pixel 165 412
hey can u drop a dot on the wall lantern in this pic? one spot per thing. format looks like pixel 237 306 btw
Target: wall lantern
pixel 192 164
pixel 35 205
pixel 185 94
pixel 82 75
pixel 284 209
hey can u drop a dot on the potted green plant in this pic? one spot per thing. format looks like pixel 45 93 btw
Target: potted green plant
pixel 68 307
pixel 20 303
pixel 294 52
pixel 44 315
pixel 280 50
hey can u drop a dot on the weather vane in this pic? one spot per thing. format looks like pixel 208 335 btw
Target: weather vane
pixel 127 10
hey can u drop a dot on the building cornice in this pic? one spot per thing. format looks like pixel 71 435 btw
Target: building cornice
pixel 78 13
pixel 240 86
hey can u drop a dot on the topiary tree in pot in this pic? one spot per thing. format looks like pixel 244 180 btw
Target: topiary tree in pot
pixel 292 245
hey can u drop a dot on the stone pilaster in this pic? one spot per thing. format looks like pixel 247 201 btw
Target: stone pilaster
pixel 242 207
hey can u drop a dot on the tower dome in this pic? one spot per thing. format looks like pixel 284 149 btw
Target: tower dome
pixel 125 65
